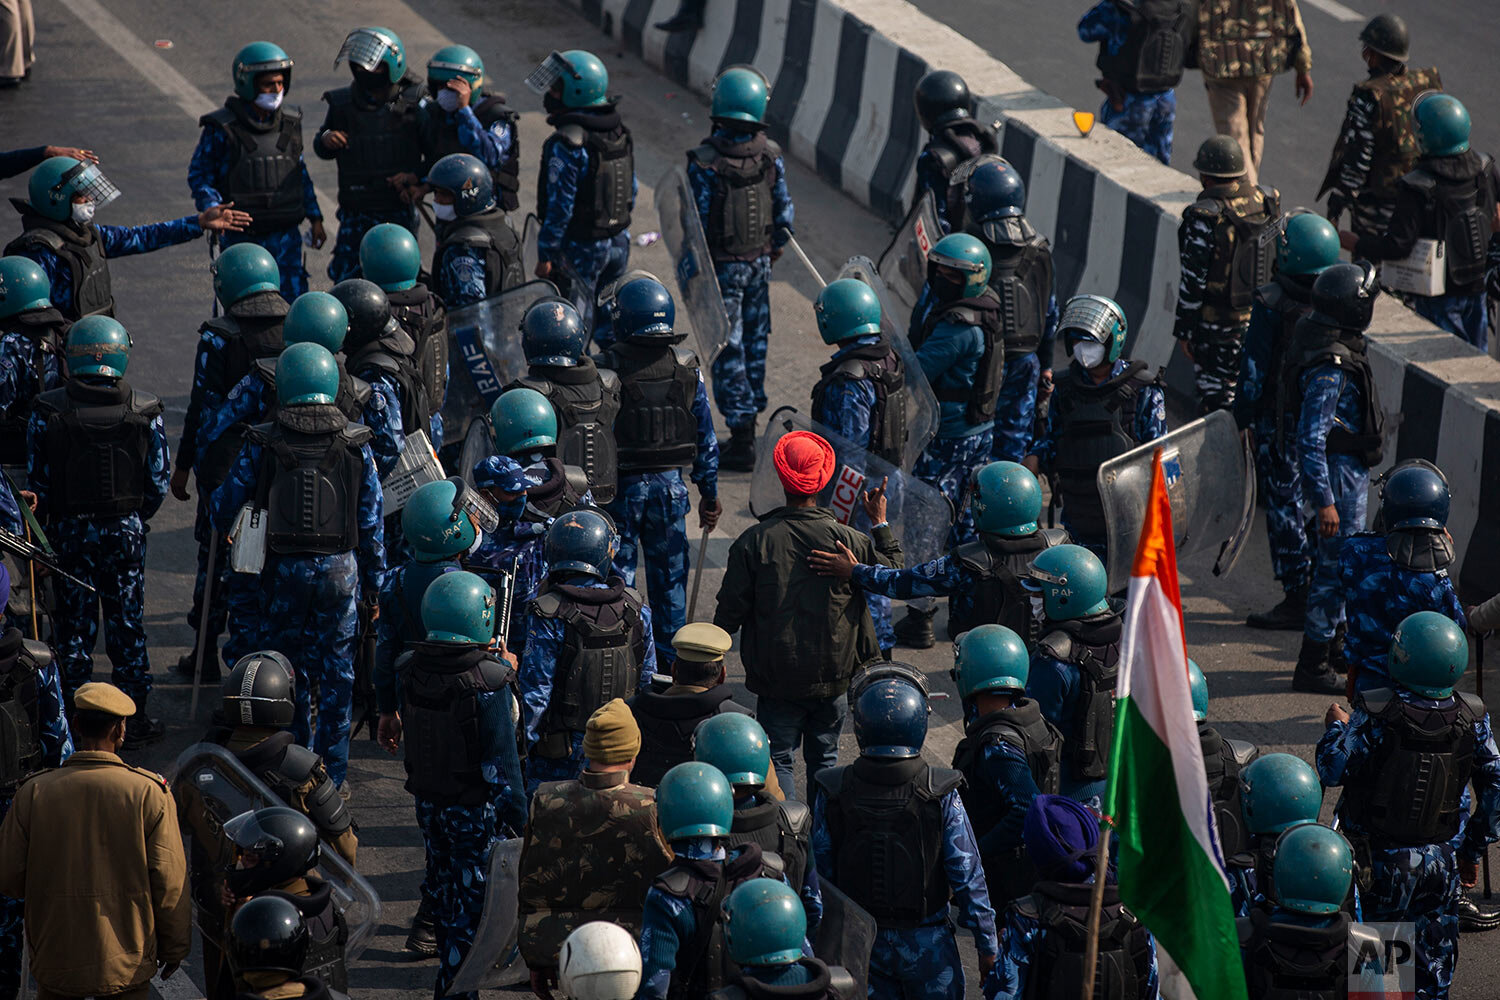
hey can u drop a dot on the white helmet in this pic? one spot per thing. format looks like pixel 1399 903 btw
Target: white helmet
pixel 599 961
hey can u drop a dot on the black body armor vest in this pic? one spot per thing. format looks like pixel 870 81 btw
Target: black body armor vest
pixel 311 469
pixel 391 357
pixel 383 141
pixel 286 766
pixel 1314 344
pixel 780 828
pixel 265 167
pixel 1460 213
pixel 656 428
pixel 587 400
pixel 606 194
pixel 882 367
pixel 1223 759
pixel 1098 423
pixel 1295 961
pixel 491 233
pixel 422 315
pixel 603 649
pixel 1093 646
pixel 1156 46
pixel 998 598
pixel 952 145
pixel 742 214
pixel 98 441
pixel 667 724
pixel 440 688
pixel 1057 972
pixel 327 934
pixel 986 312
pixel 21 660
pixel 43 330
pixel 1021 278
pixel 81 252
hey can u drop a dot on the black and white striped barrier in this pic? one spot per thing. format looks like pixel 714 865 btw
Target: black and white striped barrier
pixel 842 74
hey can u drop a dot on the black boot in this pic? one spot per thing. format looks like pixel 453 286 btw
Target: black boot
pixel 914 631
pixel 1474 918
pixel 423 937
pixel 1288 616
pixel 142 730
pixel 1313 675
pixel 1336 659
pixel 739 454
pixel 187 663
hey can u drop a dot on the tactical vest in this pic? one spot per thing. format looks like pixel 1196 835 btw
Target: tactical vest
pixel 1156 46
pixel 350 399
pixel 422 315
pixel 251 330
pixel 1093 646
pixel 1410 792
pixel 311 470
pixel 490 233
pixel 606 193
pixel 879 365
pixel 987 313
pixel 656 427
pixel 1097 423
pixel 997 597
pixel 704 964
pixel 383 141
pixel 1223 759
pixel 667 723
pixel 383 358
pixel 742 210
pixel 81 252
pixel 1244 241
pixel 952 145
pixel 780 828
pixel 1057 966
pixel 1240 38
pixel 265 166
pixel 1289 298
pixel 1287 960
pixel 440 139
pixel 1314 344
pixel 21 660
pixel 440 688
pixel 98 440
pixel 1460 214
pixel 285 767
pixel 1395 150
pixel 604 646
pixel 587 401
pixel 1021 278
pixel 43 330
pixel 327 933
pixel 886 822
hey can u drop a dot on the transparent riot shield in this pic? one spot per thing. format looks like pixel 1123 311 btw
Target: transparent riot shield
pixel 919 514
pixel 530 229
pixel 486 338
pixel 495 958
pixel 846 934
pixel 922 413
pixel 1209 483
pixel 211 786
pixel 697 287
pixel 904 263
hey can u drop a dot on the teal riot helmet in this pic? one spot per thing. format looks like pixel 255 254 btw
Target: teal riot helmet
pixel 97 345
pixel 1198 686
pixel 455 62
pixel 694 799
pixel 374 50
pixel 1442 124
pixel 1071 580
pixel 1312 869
pixel 1006 500
pixel 316 318
pixel 846 309
pixel 735 744
pixel 390 257
pixel 522 421
pixel 255 59
pixel 1309 244
pixel 764 923
pixel 741 95
pixel 23 286
pixel 459 607
pixel 1279 790
pixel 583 80
pixel 243 270
pixel 965 255
pixel 306 375
pixel 435 523
pixel 991 658
pixel 57 180
pixel 1428 654
pixel 1094 318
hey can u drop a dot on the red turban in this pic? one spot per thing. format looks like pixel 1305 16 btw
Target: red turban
pixel 804 461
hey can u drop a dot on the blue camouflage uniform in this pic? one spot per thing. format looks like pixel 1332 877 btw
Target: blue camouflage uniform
pixel 739 371
pixel 57 746
pixel 463 278
pixel 208 177
pixel 544 648
pixel 944 576
pixel 490 146
pixel 400 624
pixel 1145 119
pixel 809 891
pixel 922 963
pixel 1023 937
pixel 1008 789
pixel 1420 882
pixel 649 508
pixel 19 384
pixel 117 241
pixel 1330 398
pixel 950 357
pixel 1015 405
pixel 109 551
pixel 306 606
pixel 1378 596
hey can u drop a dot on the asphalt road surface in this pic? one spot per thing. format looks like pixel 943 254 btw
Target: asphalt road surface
pixel 130 82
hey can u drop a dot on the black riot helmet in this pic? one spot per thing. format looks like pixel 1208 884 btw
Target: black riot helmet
pixel 1344 296
pixel 1220 156
pixel 1386 35
pixel 369 312
pixel 259 691
pixel 274 846
pixel 267 935
pixel 942 98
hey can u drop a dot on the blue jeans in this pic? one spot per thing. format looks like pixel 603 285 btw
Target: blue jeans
pixel 1461 315
pixel 814 722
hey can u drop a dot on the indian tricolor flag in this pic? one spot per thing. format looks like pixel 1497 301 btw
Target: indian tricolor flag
pixel 1170 866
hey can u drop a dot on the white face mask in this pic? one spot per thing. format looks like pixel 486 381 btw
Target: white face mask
pixel 444 213
pixel 447 99
pixel 478 541
pixel 83 213
pixel 1088 353
pixel 271 101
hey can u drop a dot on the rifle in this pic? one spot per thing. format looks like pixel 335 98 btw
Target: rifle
pixel 23 548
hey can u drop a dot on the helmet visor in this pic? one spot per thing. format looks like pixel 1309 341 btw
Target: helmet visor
pixel 552 69
pixel 86 179
pixel 1090 317
pixel 365 49
pixel 255 845
pixel 473 503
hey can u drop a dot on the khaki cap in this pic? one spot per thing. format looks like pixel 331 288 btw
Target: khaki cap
pixel 97 696
pixel 701 642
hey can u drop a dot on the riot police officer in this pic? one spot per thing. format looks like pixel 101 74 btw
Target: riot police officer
pixel 1389 574
pixel 390 257
pixel 739 187
pixel 321 558
pixel 1021 275
pixel 1328 384
pixel 586 188
pixel 1404 757
pixel 585 395
pixel 1223 759
pixel 478 254
pixel 461 761
pixel 588 640
pixel 764 927
pixel 268 946
pixel 1075 663
pixel 31 340
pixel 374 130
pixel 461 116
pixel 1009 755
pixel 247 285
pixel 1142 53
pixel 1377 144
pixel 523 428
pixel 954 136
pixel 1448 196
pixel 1103 406
pixel 95 422
pixel 250 155
pixel 1307 247
pixel 1276 791
pixel 982 578
pixel 1225 258
pixel 664 423
pixel 60 235
pixel 890 830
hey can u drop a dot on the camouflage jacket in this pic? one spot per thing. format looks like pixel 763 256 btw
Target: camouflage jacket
pixel 590 852
pixel 1241 38
pixel 1377 144
pixel 1207 241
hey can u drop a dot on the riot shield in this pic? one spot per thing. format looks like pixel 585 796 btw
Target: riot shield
pixel 904 263
pixel 478 445
pixel 211 786
pixel 494 960
pixel 922 415
pixel 919 514
pixel 486 337
pixel 1208 483
pixel 846 934
pixel 697 286
pixel 530 229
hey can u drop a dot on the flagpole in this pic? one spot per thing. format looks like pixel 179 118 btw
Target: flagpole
pixel 1096 909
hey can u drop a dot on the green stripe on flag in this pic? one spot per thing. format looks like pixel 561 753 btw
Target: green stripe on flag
pixel 1166 879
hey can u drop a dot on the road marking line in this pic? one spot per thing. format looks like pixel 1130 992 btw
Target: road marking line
pixel 1332 8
